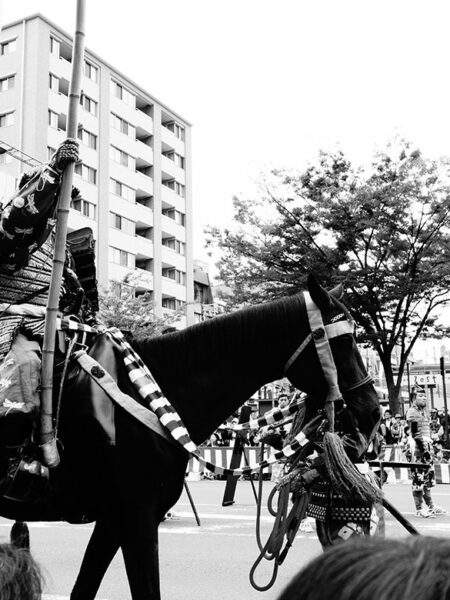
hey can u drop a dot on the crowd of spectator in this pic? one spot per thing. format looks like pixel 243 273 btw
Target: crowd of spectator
pixel 394 430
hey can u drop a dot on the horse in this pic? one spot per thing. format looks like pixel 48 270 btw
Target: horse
pixel 125 477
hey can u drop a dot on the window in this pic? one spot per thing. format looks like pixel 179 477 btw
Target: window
pixel 9 46
pixel 171 303
pixel 50 152
pixel 6 83
pixel 91 71
pixel 85 208
pixel 121 157
pixel 119 91
pixel 53 83
pixel 122 190
pixel 122 258
pixel 88 104
pixel 123 126
pixel 7 119
pixel 55 46
pixel 119 222
pixel 174 274
pixel 175 244
pixel 176 215
pixel 53 119
pixel 176 129
pixel 86 173
pixel 178 188
pixel 88 139
pixel 176 158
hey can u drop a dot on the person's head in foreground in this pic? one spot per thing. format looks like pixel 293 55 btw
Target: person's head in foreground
pixel 413 568
pixel 20 576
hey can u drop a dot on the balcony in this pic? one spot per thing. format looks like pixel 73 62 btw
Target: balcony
pixel 143 247
pixel 171 200
pixel 78 221
pixel 58 102
pixel 143 279
pixel 143 214
pixel 172 258
pixel 172 141
pixel 171 288
pixel 171 170
pixel 171 228
pixel 144 154
pixel 60 67
pixel 143 184
pixel 143 122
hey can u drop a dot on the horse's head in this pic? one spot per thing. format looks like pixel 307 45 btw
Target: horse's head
pixel 331 367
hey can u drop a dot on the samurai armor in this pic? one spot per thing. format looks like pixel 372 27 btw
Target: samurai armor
pixel 28 218
pixel 32 282
pixel 324 503
pixel 20 375
pixel 82 248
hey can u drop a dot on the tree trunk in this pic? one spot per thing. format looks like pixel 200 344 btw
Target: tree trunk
pixel 394 399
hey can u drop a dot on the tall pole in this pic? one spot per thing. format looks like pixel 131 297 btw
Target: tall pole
pixel 50 455
pixel 444 392
pixel 409 379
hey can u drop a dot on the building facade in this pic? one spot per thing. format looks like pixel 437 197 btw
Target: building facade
pixel 135 159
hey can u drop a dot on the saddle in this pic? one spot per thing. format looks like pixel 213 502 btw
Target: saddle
pixel 89 402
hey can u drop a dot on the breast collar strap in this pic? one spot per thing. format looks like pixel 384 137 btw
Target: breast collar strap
pixel 321 334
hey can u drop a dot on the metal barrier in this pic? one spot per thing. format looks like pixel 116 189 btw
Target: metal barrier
pixel 221 456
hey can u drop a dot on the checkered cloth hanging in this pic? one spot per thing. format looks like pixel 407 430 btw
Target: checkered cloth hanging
pixel 272 417
pixel 148 389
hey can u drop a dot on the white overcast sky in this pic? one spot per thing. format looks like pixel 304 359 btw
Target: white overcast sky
pixel 269 83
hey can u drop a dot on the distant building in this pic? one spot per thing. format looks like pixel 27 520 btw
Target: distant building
pixel 207 303
pixel 135 167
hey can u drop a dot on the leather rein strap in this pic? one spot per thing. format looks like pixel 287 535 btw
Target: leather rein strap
pixel 103 379
pixel 320 335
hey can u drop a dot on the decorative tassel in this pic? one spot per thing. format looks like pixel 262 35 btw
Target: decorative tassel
pixel 344 476
pixel 20 535
pixel 329 413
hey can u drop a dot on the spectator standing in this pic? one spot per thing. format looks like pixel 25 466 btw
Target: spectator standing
pixel 386 425
pixel 396 428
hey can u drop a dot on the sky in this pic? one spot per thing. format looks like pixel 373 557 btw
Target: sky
pixel 269 84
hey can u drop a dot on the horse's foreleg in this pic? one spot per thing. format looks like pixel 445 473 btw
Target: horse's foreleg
pixel 100 551
pixel 139 542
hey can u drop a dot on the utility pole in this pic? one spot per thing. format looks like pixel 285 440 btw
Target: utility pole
pixel 444 392
pixel 409 379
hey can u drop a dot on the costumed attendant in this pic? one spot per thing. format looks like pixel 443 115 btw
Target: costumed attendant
pixel 421 450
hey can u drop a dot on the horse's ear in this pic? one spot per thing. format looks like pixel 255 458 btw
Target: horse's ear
pixel 319 295
pixel 337 292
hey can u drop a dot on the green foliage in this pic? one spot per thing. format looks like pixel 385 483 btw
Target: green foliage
pixel 133 314
pixel 382 230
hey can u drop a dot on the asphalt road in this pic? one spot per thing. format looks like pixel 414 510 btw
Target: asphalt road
pixel 211 561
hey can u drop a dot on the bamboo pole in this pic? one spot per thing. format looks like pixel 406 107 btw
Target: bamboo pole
pixel 50 456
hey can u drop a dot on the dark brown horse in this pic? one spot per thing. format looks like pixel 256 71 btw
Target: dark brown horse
pixel 125 477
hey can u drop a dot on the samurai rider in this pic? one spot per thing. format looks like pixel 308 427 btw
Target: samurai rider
pixel 27 222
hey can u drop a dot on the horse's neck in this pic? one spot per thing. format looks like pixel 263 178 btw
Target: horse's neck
pixel 205 391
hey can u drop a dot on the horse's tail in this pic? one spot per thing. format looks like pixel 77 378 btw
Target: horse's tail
pixel 20 535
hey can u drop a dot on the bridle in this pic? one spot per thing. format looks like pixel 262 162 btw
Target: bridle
pixel 320 334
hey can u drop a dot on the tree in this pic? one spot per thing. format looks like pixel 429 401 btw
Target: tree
pixel 382 230
pixel 132 313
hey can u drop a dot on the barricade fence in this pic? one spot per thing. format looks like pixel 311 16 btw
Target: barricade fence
pixel 221 456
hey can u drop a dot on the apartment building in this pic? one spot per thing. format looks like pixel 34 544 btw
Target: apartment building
pixel 135 159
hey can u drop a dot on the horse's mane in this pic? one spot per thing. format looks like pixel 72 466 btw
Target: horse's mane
pixel 218 340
